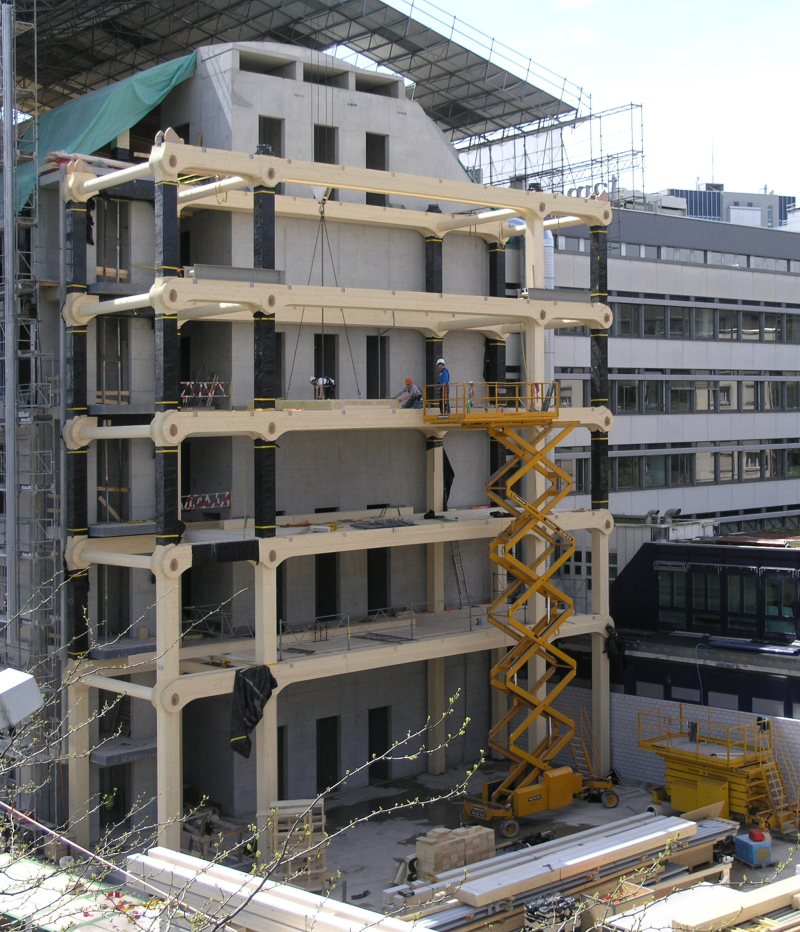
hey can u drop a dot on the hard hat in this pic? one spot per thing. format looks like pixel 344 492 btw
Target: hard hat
pixel 409 381
pixel 313 380
pixel 439 362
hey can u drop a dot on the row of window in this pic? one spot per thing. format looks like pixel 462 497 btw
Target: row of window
pixel 666 322
pixel 682 254
pixel 701 466
pixel 738 601
pixel 649 395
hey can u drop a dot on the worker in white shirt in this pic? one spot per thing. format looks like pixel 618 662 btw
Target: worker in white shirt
pixel 323 387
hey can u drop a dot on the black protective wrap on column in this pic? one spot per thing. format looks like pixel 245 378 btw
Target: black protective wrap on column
pixel 168 524
pixel 598 267
pixel 168 243
pixel 494 370
pixel 433 351
pixel 263 227
pixel 264 388
pixel 264 481
pixel 77 604
pixel 433 264
pixel 168 373
pixel 232 551
pixel 497 270
pixel 76 489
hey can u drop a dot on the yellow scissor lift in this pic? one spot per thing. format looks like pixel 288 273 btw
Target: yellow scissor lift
pixel 504 411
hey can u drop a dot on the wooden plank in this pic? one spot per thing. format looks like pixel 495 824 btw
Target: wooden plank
pixel 571 862
pixel 717 913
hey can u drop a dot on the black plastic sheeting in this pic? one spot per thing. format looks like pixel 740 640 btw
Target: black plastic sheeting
pixel 433 264
pixel 598 268
pixel 168 244
pixel 169 527
pixel 494 370
pixel 233 551
pixel 263 228
pixel 497 270
pixel 264 483
pixel 77 587
pixel 252 689
pixel 433 351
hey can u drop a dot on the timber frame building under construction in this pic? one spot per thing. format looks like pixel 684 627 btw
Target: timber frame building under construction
pixel 302 219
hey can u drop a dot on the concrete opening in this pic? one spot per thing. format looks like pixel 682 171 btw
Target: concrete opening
pixel 327 752
pixel 379 742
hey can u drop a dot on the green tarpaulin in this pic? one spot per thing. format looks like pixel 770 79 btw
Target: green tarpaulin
pixel 90 122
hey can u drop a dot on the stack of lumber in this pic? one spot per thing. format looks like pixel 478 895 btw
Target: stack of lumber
pixel 226 896
pixel 709 907
pixel 443 849
pixel 560 864
pixel 297 842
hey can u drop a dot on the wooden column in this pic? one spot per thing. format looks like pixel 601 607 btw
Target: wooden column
pixel 78 763
pixel 437 762
pixel 169 731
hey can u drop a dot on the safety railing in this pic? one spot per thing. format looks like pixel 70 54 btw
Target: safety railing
pixel 211 394
pixel 215 621
pixel 692 730
pixel 202 501
pixel 460 401
pixel 396 624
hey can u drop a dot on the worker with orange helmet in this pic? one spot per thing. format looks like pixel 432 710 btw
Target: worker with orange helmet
pixel 414 399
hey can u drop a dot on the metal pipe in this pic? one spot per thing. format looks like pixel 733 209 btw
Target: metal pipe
pixel 10 313
pixel 463 222
pixel 101 182
pixel 187 195
pixel 113 685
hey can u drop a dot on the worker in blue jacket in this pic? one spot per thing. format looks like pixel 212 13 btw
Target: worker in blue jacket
pixel 443 383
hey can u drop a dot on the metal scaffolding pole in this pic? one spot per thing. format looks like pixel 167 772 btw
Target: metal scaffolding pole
pixel 10 309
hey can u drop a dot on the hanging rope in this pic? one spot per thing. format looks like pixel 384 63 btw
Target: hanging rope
pixel 344 320
pixel 302 313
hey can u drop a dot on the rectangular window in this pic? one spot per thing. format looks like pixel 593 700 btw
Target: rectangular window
pixel 572 244
pixel 750 396
pixel 627 318
pixel 729 466
pixel 752 464
pixel 632 250
pixel 655 322
pixel 679 318
pixel 704 323
pixel 378 743
pixel 704 467
pixel 629 472
pixel 377 366
pixel 751 326
pixel 655 472
pixel 772 328
pixel 772 464
pixel 376 159
pixel 113 360
pixel 773 396
pixel 793 328
pixel 570 393
pixel 328 745
pixel 650 252
pixel 326 149
pixel 706 601
pixel 680 396
pixel 742 597
pixel 112 239
pixel 792 464
pixel 728 324
pixel 728 396
pixel 706 396
pixel 270 133
pixel 680 469
pixel 627 397
pixel 793 396
pixel 113 602
pixel 654 396
pixel 779 605
pixel 113 481
pixel 672 598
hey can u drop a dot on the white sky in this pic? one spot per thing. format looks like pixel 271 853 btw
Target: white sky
pixel 721 72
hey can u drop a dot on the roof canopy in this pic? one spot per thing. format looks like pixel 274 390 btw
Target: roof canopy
pixel 87 44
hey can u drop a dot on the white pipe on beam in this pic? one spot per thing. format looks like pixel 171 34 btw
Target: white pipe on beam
pixel 116 432
pixel 113 685
pixel 458 223
pixel 114 305
pixel 214 310
pixel 134 561
pixel 555 222
pixel 209 190
pixel 113 178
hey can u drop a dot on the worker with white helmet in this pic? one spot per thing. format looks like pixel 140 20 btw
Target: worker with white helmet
pixel 443 386
pixel 324 387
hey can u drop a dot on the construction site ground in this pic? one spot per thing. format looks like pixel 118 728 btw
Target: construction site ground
pixel 367 854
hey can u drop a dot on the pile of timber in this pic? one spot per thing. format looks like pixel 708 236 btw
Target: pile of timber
pixel 571 864
pixel 444 849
